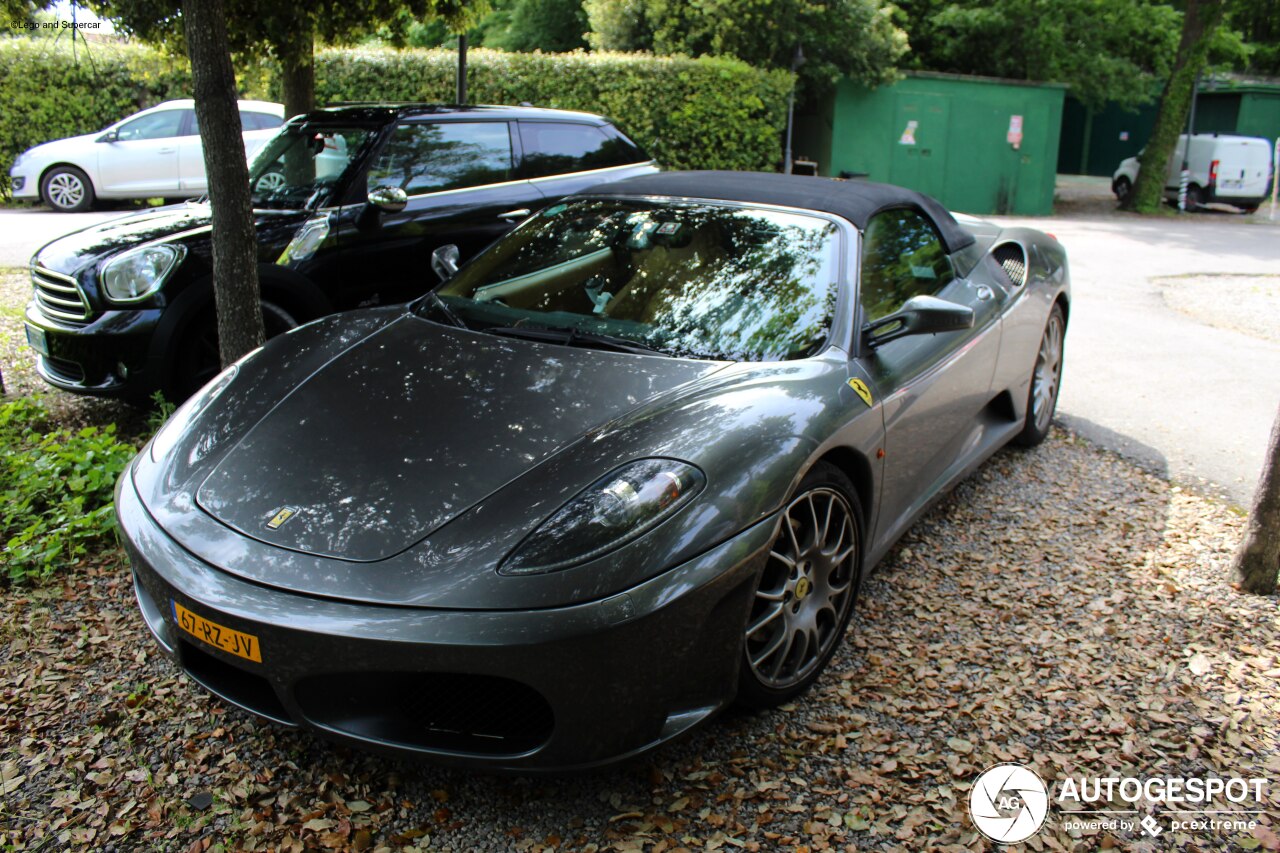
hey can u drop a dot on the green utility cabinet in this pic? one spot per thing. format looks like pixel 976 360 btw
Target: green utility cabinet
pixel 1246 109
pixel 978 145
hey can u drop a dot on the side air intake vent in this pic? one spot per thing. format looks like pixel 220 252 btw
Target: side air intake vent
pixel 1013 260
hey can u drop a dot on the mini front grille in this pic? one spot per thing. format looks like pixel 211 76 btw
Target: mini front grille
pixel 67 371
pixel 59 296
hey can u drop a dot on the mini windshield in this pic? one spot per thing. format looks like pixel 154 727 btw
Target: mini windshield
pixel 695 280
pixel 299 167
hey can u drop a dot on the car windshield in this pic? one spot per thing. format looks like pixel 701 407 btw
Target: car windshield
pixel 300 166
pixel 691 279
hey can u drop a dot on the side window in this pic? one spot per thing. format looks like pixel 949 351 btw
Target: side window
pixel 424 157
pixel 555 148
pixel 159 125
pixel 902 257
pixel 259 121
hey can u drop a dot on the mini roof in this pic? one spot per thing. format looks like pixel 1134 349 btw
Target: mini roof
pixel 856 200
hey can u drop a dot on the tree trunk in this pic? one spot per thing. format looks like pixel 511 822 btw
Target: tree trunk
pixel 1199 21
pixel 296 52
pixel 1257 563
pixel 235 243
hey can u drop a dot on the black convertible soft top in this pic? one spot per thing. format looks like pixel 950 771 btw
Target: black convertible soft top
pixel 856 201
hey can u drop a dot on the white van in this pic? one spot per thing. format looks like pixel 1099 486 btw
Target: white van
pixel 1231 169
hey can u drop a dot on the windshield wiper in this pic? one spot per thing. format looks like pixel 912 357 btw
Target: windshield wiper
pixel 443 308
pixel 574 337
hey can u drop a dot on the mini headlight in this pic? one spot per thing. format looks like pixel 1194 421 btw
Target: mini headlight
pixel 612 511
pixel 138 273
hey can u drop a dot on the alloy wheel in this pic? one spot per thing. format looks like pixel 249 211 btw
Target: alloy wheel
pixel 1048 373
pixel 806 590
pixel 65 191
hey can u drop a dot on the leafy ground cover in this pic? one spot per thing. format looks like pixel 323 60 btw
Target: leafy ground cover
pixel 1062 609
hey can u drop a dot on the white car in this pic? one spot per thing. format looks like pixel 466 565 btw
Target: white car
pixel 154 153
pixel 1235 170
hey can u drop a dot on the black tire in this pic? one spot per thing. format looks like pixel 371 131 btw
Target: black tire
pixel 1046 381
pixel 807 589
pixel 198 358
pixel 1249 210
pixel 67 189
pixel 1195 198
pixel 1122 187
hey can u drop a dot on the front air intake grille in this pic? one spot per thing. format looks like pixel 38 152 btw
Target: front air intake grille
pixel 59 296
pixel 447 711
pixel 1014 262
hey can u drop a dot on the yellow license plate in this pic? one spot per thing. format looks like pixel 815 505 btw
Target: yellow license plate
pixel 219 636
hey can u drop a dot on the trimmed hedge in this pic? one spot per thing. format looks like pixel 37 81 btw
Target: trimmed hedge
pixel 706 113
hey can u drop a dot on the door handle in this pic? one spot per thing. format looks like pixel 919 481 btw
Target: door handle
pixel 984 292
pixel 165 150
pixel 522 213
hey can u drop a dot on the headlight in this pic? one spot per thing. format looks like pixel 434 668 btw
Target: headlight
pixel 17 161
pixel 612 511
pixel 138 273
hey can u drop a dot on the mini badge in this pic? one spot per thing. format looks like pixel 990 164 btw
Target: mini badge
pixel 862 390
pixel 282 515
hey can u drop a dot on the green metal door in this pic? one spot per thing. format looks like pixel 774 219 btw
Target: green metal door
pixel 919 158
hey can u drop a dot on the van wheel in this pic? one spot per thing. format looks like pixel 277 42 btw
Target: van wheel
pixel 199 359
pixel 1122 187
pixel 1195 198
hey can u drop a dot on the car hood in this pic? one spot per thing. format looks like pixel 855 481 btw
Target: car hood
pixel 412 426
pixel 73 252
pixel 73 147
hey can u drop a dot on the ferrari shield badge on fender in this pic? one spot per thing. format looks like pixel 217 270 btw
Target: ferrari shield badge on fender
pixel 282 515
pixel 861 388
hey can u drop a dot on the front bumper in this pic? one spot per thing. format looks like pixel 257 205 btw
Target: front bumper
pixel 106 356
pixel 552 689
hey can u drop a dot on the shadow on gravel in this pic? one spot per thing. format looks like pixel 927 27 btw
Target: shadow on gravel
pixel 1060 609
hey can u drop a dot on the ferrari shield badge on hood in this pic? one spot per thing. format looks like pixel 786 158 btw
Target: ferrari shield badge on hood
pixel 281 516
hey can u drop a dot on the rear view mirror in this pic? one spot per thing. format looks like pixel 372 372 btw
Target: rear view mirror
pixel 444 261
pixel 919 315
pixel 388 199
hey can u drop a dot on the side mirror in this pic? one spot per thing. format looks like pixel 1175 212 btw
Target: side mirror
pixel 388 199
pixel 919 315
pixel 444 261
pixel 109 136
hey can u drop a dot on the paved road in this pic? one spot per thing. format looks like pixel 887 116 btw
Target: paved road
pixel 24 231
pixel 1193 401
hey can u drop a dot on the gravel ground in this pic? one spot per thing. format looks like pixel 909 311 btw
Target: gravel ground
pixel 1249 304
pixel 1062 609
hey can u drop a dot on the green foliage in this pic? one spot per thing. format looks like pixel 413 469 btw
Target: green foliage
pixel 1258 24
pixel 708 113
pixel 56 488
pixel 48 95
pixel 840 38
pixel 552 26
pixel 1105 50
